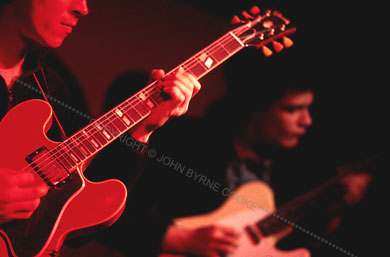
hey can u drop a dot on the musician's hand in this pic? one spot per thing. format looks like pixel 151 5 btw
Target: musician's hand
pixel 210 241
pixel 356 186
pixel 20 194
pixel 180 87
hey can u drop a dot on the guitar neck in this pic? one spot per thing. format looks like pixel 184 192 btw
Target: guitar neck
pixel 101 132
pixel 293 211
pixel 264 28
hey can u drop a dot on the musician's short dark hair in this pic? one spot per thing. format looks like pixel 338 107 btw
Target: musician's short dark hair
pixel 4 2
pixel 255 82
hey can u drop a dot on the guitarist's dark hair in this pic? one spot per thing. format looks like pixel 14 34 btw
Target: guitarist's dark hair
pixel 4 2
pixel 255 82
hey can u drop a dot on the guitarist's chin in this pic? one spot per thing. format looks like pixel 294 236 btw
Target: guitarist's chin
pixel 290 142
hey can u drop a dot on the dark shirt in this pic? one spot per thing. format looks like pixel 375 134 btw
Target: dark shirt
pixel 187 175
pixel 67 102
pixel 184 176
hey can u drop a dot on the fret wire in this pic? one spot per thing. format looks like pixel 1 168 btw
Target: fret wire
pixel 85 138
pixel 98 134
pixel 75 149
pixel 77 144
pixel 223 48
pixel 70 150
pixel 141 104
pixel 80 142
pixel 71 162
pixel 224 39
pixel 218 51
pixel 109 128
pixel 117 118
pixel 151 87
pixel 188 63
pixel 63 156
pixel 202 64
pixel 91 136
pixel 154 101
pixel 67 157
pixel 132 107
pixel 60 151
pixel 131 115
pixel 65 164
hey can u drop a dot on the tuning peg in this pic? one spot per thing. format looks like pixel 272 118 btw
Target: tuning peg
pixel 287 42
pixel 246 15
pixel 266 51
pixel 280 15
pixel 277 46
pixel 235 20
pixel 255 10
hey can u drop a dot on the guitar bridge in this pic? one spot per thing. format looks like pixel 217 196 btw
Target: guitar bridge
pixel 48 167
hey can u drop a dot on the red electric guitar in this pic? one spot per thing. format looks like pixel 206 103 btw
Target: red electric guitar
pixel 74 204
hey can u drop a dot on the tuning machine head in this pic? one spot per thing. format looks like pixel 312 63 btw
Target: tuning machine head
pixel 247 16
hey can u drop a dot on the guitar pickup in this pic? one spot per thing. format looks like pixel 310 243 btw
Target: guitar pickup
pixel 48 167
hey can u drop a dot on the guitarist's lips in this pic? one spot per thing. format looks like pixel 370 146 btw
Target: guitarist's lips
pixel 295 136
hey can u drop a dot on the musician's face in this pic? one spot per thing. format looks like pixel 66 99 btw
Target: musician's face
pixel 49 22
pixel 286 121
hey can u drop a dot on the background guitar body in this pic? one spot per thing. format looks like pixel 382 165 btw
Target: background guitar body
pixel 249 204
pixel 78 206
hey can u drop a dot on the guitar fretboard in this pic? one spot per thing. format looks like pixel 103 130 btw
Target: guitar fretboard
pixel 101 132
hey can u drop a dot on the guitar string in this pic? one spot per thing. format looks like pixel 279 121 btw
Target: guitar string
pixel 134 100
pixel 191 63
pixel 241 29
pixel 89 128
pixel 49 156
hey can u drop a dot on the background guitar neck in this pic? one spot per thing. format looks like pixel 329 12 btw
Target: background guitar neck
pixel 329 192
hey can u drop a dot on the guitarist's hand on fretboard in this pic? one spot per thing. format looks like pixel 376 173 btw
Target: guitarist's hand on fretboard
pixel 179 87
pixel 355 185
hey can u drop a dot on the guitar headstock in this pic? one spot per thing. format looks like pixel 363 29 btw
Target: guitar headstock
pixel 260 28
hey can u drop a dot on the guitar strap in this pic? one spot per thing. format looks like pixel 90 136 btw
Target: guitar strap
pixel 62 131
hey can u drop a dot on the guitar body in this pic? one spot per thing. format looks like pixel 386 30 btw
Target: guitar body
pixel 77 206
pixel 246 206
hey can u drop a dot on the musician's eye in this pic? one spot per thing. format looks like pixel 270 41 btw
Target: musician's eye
pixel 290 109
